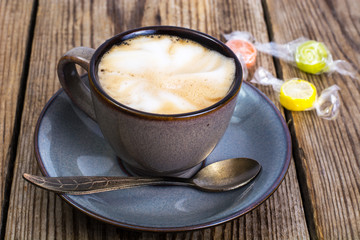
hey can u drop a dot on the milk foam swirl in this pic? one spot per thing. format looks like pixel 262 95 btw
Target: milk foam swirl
pixel 165 74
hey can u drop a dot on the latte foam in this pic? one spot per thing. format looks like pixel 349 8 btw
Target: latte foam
pixel 165 74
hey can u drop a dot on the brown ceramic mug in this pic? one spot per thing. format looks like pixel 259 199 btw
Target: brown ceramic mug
pixel 148 143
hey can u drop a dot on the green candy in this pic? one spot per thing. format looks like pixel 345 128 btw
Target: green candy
pixel 312 57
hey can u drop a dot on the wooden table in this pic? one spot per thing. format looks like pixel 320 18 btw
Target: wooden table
pixel 320 195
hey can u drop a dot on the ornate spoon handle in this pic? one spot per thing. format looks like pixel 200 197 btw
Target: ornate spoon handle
pixel 79 185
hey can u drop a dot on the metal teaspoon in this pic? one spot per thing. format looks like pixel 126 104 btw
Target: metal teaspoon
pixel 220 176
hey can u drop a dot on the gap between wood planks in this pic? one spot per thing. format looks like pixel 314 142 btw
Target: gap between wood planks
pixel 19 110
pixel 296 151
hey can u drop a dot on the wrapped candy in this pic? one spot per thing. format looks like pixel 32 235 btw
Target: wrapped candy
pixel 242 44
pixel 300 95
pixel 308 55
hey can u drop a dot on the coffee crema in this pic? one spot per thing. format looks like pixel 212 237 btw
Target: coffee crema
pixel 165 74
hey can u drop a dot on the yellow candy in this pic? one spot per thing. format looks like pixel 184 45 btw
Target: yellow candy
pixel 297 95
pixel 312 57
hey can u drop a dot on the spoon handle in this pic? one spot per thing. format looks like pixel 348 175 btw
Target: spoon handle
pixel 80 185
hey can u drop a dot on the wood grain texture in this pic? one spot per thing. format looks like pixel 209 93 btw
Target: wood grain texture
pixel 15 19
pixel 327 152
pixel 62 25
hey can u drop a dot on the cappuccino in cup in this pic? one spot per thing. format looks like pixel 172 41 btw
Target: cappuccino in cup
pixel 162 96
pixel 165 74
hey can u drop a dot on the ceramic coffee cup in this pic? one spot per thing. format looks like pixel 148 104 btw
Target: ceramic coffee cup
pixel 148 143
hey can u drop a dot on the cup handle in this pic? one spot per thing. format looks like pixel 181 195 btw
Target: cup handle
pixel 70 80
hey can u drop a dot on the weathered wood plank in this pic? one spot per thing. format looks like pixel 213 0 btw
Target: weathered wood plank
pixel 15 18
pixel 327 152
pixel 60 25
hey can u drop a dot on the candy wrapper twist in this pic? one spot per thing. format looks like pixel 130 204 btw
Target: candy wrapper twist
pixel 300 95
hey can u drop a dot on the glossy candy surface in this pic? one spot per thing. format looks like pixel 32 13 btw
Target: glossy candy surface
pixel 244 49
pixel 312 57
pixel 297 95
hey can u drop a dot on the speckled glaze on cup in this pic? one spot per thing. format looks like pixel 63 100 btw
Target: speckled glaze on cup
pixel 147 143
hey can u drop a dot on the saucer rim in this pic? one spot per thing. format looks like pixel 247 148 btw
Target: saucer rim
pixel 208 224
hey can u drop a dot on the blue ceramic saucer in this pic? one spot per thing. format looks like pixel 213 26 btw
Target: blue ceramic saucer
pixel 68 143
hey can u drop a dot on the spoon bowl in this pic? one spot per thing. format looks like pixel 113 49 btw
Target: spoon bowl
pixel 220 176
pixel 227 174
